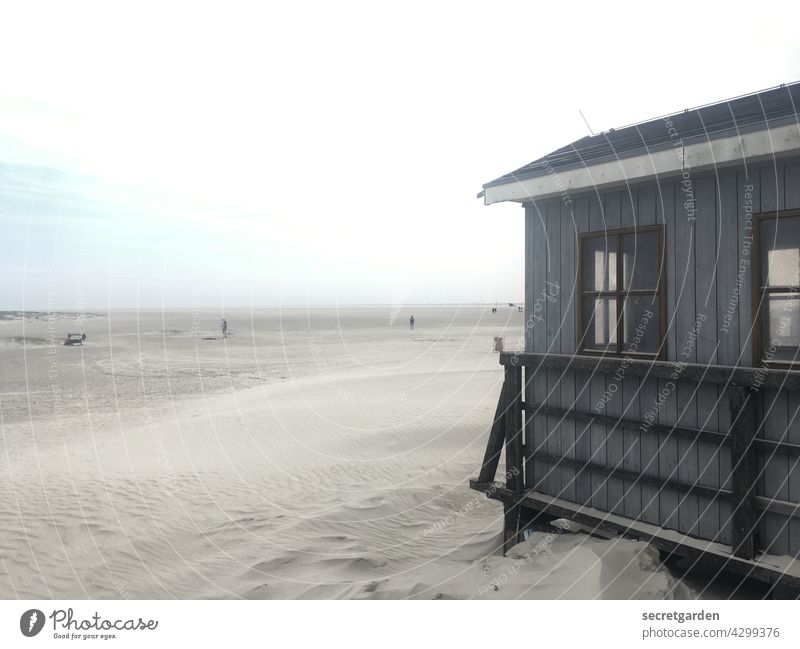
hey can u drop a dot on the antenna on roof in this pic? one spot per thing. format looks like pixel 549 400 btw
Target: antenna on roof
pixel 585 122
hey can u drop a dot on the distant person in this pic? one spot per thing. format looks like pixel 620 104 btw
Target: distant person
pixel 411 321
pixel 83 338
pixel 224 325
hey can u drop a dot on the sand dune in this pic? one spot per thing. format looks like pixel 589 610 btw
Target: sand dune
pixel 287 461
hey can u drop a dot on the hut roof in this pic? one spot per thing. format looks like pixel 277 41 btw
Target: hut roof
pixel 745 113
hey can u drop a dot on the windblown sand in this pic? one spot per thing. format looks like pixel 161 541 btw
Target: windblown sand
pixel 314 453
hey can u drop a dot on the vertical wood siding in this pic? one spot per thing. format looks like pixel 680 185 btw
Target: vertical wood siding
pixel 708 252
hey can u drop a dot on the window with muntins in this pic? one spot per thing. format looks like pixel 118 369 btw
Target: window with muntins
pixel 621 309
pixel 777 281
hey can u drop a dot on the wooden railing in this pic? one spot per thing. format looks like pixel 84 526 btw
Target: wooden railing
pixel 741 385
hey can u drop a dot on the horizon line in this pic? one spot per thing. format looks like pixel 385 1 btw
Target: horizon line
pixel 94 309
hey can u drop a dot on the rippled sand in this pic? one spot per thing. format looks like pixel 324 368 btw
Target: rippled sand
pixel 313 453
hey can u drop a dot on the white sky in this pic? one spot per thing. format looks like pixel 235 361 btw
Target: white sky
pixel 323 153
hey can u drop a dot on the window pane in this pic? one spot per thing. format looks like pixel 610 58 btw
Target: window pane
pixel 641 324
pixel 600 322
pixel 780 251
pixel 600 264
pixel 781 326
pixel 640 259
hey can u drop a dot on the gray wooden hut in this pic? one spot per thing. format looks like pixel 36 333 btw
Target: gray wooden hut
pixel 659 393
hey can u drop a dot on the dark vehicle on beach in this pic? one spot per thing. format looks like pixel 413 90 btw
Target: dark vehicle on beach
pixel 74 339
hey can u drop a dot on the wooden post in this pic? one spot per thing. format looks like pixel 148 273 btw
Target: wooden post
pixel 510 526
pixel 745 470
pixel 515 478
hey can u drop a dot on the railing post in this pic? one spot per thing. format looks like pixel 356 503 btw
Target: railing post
pixel 515 478
pixel 745 470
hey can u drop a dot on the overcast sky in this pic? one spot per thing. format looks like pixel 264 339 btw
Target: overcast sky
pixel 322 152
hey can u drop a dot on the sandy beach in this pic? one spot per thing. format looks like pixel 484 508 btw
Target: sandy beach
pixel 313 453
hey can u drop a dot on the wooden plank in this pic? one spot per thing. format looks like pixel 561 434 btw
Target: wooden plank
pixel 631 457
pixel 612 209
pixel 581 214
pixel 511 526
pixel 513 429
pixel 729 273
pixel 494 447
pixel 583 444
pixel 628 204
pixel 623 475
pixel 649 449
pixel 582 387
pixel 780 507
pixel 568 275
pixel 530 214
pixel 528 422
pixel 709 257
pixel 709 523
pixel 685 270
pixel 666 215
pixel 568 475
pixel 646 212
pixel 749 201
pixel 540 467
pixel 772 187
pixel 793 399
pixel 776 471
pixel 792 201
pixel 553 445
pixel 688 458
pixel 539 277
pixel 705 269
pixel 568 301
pixel 583 447
pixel 713 437
pixel 700 319
pixel 668 455
pixel 740 376
pixel 614 444
pixel 713 557
pixel 597 436
pixel 791 185
pixel 759 400
pixel 745 468
pixel 725 468
pixel 553 307
pixel 537 424
pixel 597 219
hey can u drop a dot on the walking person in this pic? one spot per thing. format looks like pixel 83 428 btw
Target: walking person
pixel 224 325
pixel 411 322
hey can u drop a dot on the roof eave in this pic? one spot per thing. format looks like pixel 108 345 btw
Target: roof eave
pixel 723 149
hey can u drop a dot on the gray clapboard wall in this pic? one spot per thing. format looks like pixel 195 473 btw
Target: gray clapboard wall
pixel 708 290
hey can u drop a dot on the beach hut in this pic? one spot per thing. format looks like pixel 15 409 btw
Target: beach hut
pixel 658 395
